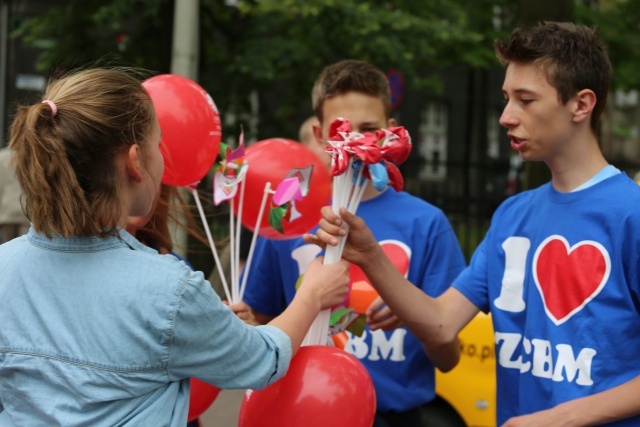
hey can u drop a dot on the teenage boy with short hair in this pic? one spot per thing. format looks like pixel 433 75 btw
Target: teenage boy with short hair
pixel 419 236
pixel 559 267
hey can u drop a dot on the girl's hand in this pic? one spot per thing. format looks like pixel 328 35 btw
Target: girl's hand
pixel 327 285
pixel 360 241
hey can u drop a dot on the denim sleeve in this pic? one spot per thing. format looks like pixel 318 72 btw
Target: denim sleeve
pixel 5 419
pixel 209 342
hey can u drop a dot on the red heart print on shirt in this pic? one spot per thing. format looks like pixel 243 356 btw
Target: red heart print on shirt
pixel 362 294
pixel 569 277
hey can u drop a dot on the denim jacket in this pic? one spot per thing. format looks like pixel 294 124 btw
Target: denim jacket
pixel 107 332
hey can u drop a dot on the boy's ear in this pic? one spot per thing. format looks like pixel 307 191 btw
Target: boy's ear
pixel 585 102
pixel 132 166
pixel 317 133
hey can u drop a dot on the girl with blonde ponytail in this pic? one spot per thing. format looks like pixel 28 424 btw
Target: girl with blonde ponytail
pixel 97 328
pixel 64 145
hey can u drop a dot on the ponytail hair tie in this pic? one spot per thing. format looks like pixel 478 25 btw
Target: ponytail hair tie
pixel 54 109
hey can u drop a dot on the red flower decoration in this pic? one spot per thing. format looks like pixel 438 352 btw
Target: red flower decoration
pixel 345 144
pixel 396 181
pixel 397 145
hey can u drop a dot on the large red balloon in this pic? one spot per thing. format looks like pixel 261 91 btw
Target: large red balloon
pixel 269 161
pixel 191 129
pixel 325 386
pixel 201 397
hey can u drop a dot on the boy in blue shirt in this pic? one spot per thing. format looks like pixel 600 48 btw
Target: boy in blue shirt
pixel 558 268
pixel 417 234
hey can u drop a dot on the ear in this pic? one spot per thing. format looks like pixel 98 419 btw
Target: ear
pixel 391 123
pixel 132 166
pixel 317 133
pixel 585 102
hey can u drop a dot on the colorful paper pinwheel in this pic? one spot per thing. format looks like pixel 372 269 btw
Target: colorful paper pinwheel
pixel 294 187
pixel 357 159
pixel 229 172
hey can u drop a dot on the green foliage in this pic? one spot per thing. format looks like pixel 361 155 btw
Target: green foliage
pixel 270 46
pixel 282 45
pixel 276 48
pixel 618 23
pixel 88 31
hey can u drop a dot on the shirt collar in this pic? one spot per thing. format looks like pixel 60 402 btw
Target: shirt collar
pixel 88 243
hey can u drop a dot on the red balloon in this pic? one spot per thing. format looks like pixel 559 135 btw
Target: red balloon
pixel 191 129
pixel 325 386
pixel 269 161
pixel 201 397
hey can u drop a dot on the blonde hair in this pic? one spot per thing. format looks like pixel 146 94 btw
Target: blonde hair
pixel 65 159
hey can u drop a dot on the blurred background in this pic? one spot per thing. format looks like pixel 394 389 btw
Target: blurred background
pixel 258 60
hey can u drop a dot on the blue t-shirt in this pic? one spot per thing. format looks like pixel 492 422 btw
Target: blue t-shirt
pixel 419 239
pixel 559 274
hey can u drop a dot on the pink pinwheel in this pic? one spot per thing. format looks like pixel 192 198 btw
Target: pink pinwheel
pixel 288 190
pixel 229 176
pixel 294 187
pixel 229 173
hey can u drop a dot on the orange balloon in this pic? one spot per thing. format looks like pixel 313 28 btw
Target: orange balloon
pixel 361 296
pixel 340 340
pixel 362 293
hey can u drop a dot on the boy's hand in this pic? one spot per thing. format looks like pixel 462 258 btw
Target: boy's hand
pixel 379 316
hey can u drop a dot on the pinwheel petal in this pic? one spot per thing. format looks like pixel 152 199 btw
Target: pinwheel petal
pixel 287 190
pixel 371 137
pixel 368 153
pixel 276 215
pixel 397 145
pixel 237 154
pixel 338 126
pixel 395 177
pixel 222 189
pixel 304 176
pixel 339 161
pixel 379 177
